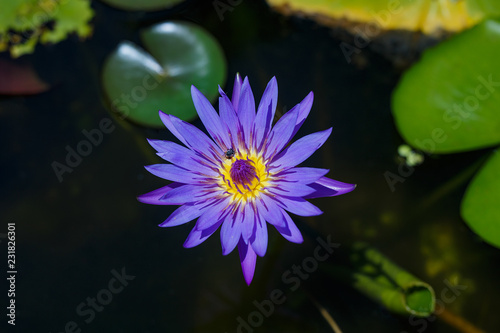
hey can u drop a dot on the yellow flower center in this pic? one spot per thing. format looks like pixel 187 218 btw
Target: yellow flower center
pixel 244 176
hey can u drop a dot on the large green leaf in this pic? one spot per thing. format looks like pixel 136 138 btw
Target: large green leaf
pixel 450 100
pixel 147 5
pixel 481 203
pixel 138 83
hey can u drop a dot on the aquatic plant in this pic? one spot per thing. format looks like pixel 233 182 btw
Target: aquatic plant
pixel 448 103
pixel 244 176
pixel 24 23
pixel 175 54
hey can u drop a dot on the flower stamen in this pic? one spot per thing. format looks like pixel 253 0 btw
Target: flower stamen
pixel 243 172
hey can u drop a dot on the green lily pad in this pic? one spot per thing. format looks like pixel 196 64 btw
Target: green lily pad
pixel 449 101
pixel 138 83
pixel 146 5
pixel 481 204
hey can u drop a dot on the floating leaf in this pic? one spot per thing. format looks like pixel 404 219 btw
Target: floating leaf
pixel 481 203
pixel 138 83
pixel 23 23
pixel 71 16
pixel 449 101
pixel 427 16
pixel 147 5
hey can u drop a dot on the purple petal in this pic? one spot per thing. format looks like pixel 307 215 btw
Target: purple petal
pixel 326 187
pixel 210 118
pixel 298 206
pixel 184 158
pixel 246 110
pixel 248 260
pixel 295 189
pixel 154 197
pixel 212 214
pixel 270 210
pixel 301 175
pixel 259 238
pixel 265 111
pixel 290 231
pixel 236 91
pixel 281 133
pixel 184 194
pixel 161 145
pixel 181 215
pixel 229 118
pixel 230 233
pixel 167 121
pixel 305 107
pixel 195 139
pixel 196 237
pixel 300 150
pixel 174 173
pixel 248 223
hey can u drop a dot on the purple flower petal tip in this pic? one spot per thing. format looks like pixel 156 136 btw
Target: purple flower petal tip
pixel 243 174
pixel 326 187
pixel 248 260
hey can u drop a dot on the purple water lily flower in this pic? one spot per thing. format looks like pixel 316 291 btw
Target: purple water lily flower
pixel 245 176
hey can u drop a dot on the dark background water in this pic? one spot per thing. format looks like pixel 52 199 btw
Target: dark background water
pixel 73 237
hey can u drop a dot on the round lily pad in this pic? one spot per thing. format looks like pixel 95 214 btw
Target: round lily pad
pixel 140 81
pixel 481 204
pixel 146 5
pixel 449 101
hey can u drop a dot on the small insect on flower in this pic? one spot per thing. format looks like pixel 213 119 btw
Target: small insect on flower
pixel 241 193
pixel 229 153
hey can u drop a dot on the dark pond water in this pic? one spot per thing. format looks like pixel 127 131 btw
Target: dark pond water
pixel 74 237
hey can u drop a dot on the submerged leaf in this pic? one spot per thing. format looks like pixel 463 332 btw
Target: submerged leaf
pixel 19 79
pixel 377 277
